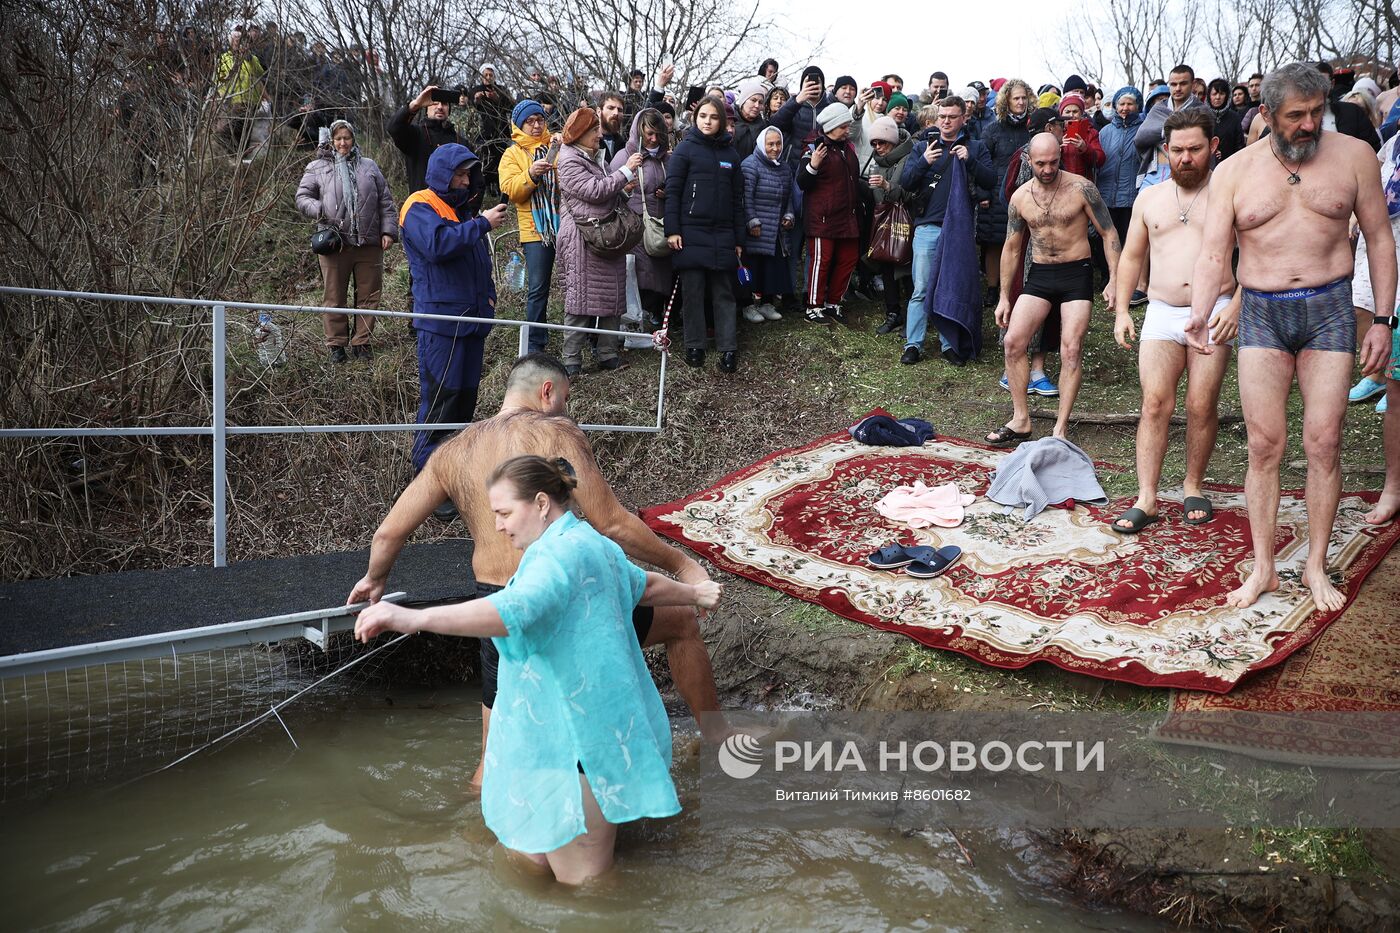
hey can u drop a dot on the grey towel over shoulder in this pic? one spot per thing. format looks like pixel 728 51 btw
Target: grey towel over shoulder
pixel 1041 472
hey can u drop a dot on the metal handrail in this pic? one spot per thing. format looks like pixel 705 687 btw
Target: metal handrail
pixel 220 429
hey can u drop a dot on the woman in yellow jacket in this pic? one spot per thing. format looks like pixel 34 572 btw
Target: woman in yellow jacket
pixel 527 178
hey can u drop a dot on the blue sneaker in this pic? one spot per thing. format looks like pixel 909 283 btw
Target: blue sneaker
pixel 1043 386
pixel 1006 386
pixel 1365 390
pixel 1381 406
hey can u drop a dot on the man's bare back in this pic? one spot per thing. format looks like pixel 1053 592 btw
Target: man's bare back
pixel 1293 235
pixel 1174 245
pixel 462 464
pixel 1057 217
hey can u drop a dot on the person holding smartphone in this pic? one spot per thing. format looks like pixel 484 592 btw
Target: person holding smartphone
pixel 1080 152
pixel 418 138
pixel 526 172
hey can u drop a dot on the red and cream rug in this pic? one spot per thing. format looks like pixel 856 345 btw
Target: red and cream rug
pixel 1062 588
pixel 1336 702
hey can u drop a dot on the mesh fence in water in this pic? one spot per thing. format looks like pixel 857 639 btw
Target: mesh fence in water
pixel 108 722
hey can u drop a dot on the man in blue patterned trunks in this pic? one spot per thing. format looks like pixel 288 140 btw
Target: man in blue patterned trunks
pixel 1289 199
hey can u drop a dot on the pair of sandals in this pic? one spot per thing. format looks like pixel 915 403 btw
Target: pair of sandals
pixel 1138 519
pixel 922 562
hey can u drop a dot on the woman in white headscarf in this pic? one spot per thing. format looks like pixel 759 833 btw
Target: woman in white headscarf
pixel 346 191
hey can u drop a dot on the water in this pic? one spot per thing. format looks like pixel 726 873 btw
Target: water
pixel 368 827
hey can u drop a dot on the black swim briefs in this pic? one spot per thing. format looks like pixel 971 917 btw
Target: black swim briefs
pixel 1059 282
pixel 1300 319
pixel 642 617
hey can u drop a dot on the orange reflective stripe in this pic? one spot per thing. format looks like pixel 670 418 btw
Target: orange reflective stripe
pixel 429 197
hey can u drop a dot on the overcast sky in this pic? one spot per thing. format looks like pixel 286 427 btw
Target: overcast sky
pixel 1004 39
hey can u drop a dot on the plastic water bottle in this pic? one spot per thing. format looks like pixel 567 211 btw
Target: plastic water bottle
pixel 267 337
pixel 515 273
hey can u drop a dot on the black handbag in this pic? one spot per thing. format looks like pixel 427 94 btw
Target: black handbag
pixel 326 242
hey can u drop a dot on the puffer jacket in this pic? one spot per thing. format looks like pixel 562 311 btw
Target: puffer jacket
pixel 705 202
pixel 1089 161
pixel 767 202
pixel 653 273
pixel 1002 139
pixel 1117 178
pixel 515 180
pixel 593 286
pixel 447 250
pixel 834 194
pixel 320 197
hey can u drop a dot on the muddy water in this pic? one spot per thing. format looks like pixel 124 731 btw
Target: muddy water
pixel 367 827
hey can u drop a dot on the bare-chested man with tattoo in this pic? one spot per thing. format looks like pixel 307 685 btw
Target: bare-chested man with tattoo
pixel 1288 200
pixel 1054 208
pixel 1167 226
pixel 533 420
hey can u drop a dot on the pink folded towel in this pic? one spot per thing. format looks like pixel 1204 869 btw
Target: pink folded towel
pixel 919 506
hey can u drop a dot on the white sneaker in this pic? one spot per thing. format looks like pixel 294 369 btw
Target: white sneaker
pixel 753 315
pixel 769 312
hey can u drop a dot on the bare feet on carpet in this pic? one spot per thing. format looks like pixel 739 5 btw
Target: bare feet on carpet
pixel 1259 583
pixel 1387 507
pixel 1327 597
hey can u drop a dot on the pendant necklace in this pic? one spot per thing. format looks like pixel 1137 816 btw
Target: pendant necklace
pixel 1293 177
pixel 1185 215
pixel 1045 208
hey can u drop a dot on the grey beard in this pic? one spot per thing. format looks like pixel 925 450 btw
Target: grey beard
pixel 1295 152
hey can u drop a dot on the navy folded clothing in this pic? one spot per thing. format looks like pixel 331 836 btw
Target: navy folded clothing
pixel 884 431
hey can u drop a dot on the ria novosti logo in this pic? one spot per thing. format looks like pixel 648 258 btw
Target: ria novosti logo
pixel 740 755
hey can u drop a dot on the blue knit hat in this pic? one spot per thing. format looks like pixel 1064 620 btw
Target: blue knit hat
pixel 1127 89
pixel 524 111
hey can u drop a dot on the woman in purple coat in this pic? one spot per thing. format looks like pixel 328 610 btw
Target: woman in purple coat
pixel 595 289
pixel 649 138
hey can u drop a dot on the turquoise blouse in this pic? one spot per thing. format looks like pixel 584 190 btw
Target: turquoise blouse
pixel 574 689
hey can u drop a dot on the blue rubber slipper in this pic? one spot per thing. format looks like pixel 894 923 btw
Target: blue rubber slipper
pixel 891 557
pixel 939 561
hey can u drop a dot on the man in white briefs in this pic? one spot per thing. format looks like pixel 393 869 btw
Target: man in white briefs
pixel 1168 222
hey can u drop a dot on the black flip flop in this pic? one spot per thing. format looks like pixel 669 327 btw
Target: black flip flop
pixel 1005 435
pixel 1197 504
pixel 890 557
pixel 939 561
pixel 1137 518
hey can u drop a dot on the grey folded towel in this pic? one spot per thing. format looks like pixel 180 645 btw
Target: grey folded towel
pixel 1038 473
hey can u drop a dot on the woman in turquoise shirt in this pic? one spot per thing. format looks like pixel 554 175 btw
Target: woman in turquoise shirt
pixel 579 738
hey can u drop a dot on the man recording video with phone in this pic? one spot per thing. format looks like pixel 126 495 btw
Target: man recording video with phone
pixel 417 140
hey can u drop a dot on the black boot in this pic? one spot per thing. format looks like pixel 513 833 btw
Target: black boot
pixel 695 357
pixel 894 321
pixel 728 361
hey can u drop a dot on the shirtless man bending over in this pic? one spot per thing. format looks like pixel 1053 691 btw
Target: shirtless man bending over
pixel 533 420
pixel 1054 206
pixel 1169 220
pixel 1288 200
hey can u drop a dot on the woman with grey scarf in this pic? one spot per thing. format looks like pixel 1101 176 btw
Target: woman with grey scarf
pixel 345 190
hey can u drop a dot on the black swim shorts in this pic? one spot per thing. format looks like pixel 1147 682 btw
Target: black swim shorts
pixel 1300 319
pixel 1059 282
pixel 642 617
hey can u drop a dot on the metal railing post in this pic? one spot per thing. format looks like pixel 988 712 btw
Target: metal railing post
pixel 524 341
pixel 220 443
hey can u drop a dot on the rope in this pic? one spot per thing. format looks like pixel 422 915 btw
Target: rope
pixel 661 339
pixel 272 711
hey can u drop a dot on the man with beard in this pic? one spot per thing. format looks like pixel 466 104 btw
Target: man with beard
pixel 611 107
pixel 1054 209
pixel 418 141
pixel 1289 203
pixel 1167 224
